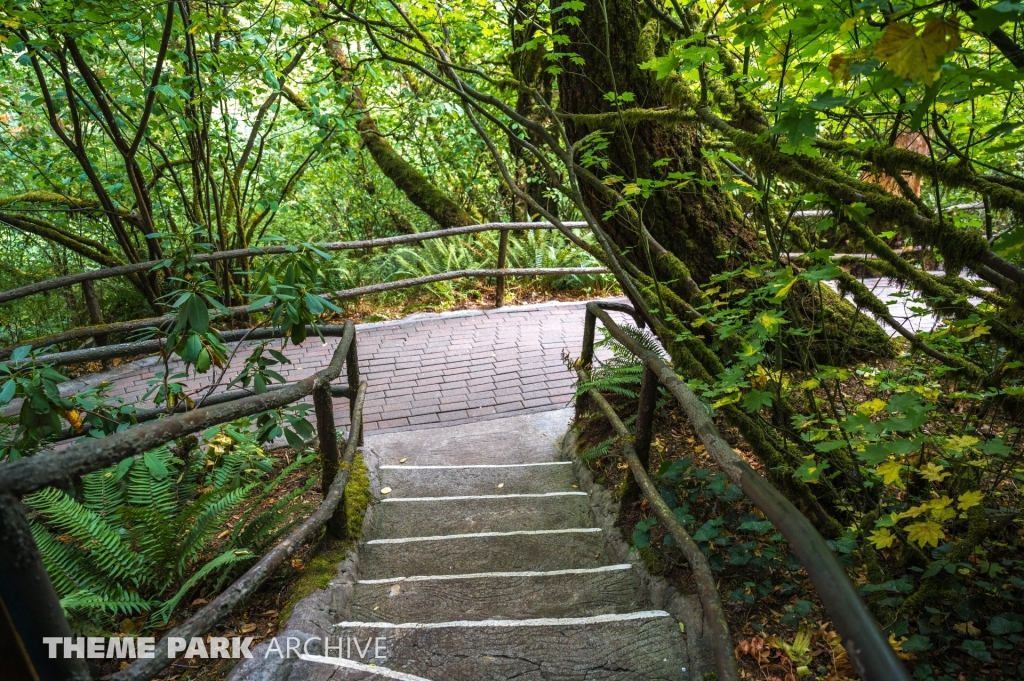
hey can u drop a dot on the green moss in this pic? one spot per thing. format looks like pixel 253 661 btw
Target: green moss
pixel 357 497
pixel 652 561
pixel 323 566
pixel 423 194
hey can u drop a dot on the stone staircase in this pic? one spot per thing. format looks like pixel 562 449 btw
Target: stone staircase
pixel 482 561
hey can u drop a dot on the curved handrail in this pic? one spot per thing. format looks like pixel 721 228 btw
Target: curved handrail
pixel 866 645
pixel 239 310
pixel 722 645
pixel 135 268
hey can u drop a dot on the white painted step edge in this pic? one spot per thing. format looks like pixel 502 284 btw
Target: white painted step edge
pixel 408 540
pixel 538 495
pixel 476 575
pixel 373 669
pixel 539 622
pixel 481 465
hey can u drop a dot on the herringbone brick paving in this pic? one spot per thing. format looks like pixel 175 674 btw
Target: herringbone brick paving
pixel 426 369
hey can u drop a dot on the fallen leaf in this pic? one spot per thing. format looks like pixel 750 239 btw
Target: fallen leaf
pixel 403 460
pixel 223 534
pixel 200 601
pixel 500 485
pixel 385 490
pixel 297 563
pixel 246 628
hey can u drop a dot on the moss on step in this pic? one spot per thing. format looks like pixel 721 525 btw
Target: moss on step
pixel 323 565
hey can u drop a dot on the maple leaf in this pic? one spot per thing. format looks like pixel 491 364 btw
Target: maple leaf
pixel 970 499
pixel 924 534
pixel 871 407
pixel 882 538
pixel 933 472
pixel 890 473
pixel 912 56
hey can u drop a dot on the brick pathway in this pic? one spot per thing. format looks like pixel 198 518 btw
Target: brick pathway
pixel 426 369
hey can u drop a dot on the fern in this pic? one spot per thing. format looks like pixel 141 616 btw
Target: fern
pixel 204 519
pixel 133 543
pixel 106 547
pixel 622 373
pixel 163 613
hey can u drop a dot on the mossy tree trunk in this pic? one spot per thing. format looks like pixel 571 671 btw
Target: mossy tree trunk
pixel 695 222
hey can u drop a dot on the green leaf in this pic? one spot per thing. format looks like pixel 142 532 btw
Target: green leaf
pixel 20 352
pixel 917 643
pixel 7 392
pixel 156 467
pixel 1001 626
pixel 756 526
pixel 811 470
pixel 977 650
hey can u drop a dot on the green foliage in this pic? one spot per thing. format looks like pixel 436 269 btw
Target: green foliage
pixel 44 411
pixel 142 535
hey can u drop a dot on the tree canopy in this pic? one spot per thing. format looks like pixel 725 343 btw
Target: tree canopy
pixel 741 165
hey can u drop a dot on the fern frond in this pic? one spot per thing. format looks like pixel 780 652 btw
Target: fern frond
pixel 119 602
pixel 270 524
pixel 68 570
pixel 202 520
pixel 146 490
pixel 163 613
pixel 103 494
pixel 106 547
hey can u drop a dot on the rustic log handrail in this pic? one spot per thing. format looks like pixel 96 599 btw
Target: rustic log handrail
pixel 707 590
pixel 30 602
pixel 866 645
pixel 227 600
pixel 239 310
pixel 135 268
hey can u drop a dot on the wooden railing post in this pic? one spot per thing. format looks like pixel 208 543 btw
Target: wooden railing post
pixel 327 434
pixel 644 429
pixel 499 285
pixel 352 371
pixel 586 357
pixel 30 605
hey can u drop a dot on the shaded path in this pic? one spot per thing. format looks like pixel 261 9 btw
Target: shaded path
pixel 447 368
pixel 426 369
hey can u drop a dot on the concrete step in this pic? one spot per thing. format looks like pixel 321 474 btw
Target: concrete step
pixel 645 646
pixel 435 481
pixel 501 595
pixel 518 551
pixel 528 438
pixel 433 516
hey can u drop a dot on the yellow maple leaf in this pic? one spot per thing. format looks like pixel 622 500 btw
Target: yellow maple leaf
pixel 871 407
pixel 912 56
pixel 882 538
pixel 915 511
pixel 927 533
pixel 958 443
pixel 933 472
pixel 942 514
pixel 970 499
pixel 890 473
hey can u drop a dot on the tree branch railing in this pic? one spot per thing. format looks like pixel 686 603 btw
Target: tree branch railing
pixel 866 645
pixel 29 599
pixel 347 294
pixel 136 268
